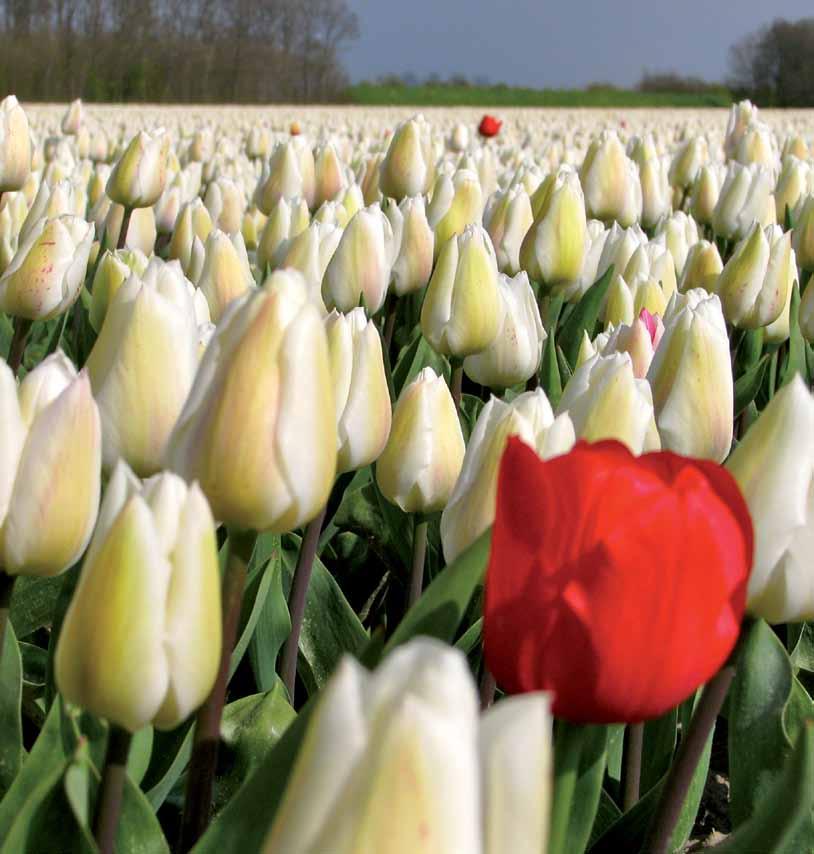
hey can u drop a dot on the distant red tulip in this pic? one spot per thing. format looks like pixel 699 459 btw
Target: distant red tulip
pixel 616 582
pixel 294 128
pixel 489 126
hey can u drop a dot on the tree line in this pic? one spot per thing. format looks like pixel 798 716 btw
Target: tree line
pixel 237 51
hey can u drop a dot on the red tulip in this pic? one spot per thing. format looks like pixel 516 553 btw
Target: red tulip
pixel 489 126
pixel 616 582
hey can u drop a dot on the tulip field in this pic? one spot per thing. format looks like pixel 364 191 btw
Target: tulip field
pixel 380 483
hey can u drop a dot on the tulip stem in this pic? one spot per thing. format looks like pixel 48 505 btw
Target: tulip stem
pixel 567 753
pixel 202 764
pixel 632 772
pixel 296 601
pixel 680 775
pixel 111 791
pixel 22 327
pixel 417 569
pixel 128 212
pixel 456 383
pixel 390 322
pixel 6 589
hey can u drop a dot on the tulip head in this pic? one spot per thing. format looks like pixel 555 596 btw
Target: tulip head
pixel 605 401
pixel 691 378
pixel 45 276
pixel 15 146
pixel 408 167
pixel 456 203
pixel 461 313
pixel 514 355
pixel 424 453
pixel 774 467
pixel 50 466
pixel 150 586
pixel 414 243
pixel 139 176
pixel 360 266
pixel 508 218
pixel 258 430
pixel 226 274
pixel 363 412
pixel 610 181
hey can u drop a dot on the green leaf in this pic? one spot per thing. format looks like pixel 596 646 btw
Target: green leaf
pixel 584 317
pixel 606 815
pixel 273 625
pixel 588 789
pixel 439 611
pixel 11 728
pixel 550 372
pixel 757 698
pixel 796 362
pixel 251 727
pixel 801 646
pixel 565 369
pixel 628 832
pixel 243 823
pixel 657 750
pixel 784 810
pixel 40 772
pixel 748 385
pixel 33 602
pixel 413 359
pixel 330 626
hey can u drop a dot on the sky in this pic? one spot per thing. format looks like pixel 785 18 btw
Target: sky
pixel 570 43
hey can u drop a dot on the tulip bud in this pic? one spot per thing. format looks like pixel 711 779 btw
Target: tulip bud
pixel 150 326
pixel 414 240
pixel 755 281
pixel 424 453
pixel 167 209
pixel 360 266
pixel 606 401
pixel 363 412
pixel 456 203
pixel 226 274
pixel 150 586
pixel 471 507
pixel 679 232
pixel 461 313
pixel 408 166
pixel 691 378
pixel 804 235
pixel 112 271
pixel 257 431
pixel 49 203
pixel 508 218
pixel 15 145
pixel 779 330
pixel 688 162
pixel 618 247
pixel 514 356
pixel 253 223
pixel 793 183
pixel 639 339
pixel 47 272
pixel 72 118
pixel 368 178
pixel 310 253
pixel 554 247
pixel 141 230
pixel 757 145
pixel 704 196
pixel 596 236
pixel 285 222
pixel 49 467
pixel 654 261
pixel 806 313
pixel 477 790
pixel 139 176
pixel 290 174
pixel 740 116
pixel 774 467
pixel 610 181
pixel 329 174
pixel 225 202
pixel 702 267
pixel 459 138
pixel 618 303
pixel 746 196
pixel 796 146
